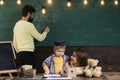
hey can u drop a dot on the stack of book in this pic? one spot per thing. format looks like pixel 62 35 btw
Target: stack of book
pixel 55 77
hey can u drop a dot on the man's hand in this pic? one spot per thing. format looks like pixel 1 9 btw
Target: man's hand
pixel 47 29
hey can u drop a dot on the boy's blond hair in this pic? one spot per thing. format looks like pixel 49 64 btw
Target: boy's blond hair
pixel 59 47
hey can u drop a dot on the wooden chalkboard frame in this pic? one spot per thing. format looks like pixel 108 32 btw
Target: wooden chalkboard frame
pixel 11 70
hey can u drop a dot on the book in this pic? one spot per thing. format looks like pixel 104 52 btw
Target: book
pixel 51 75
pixel 58 78
pixel 55 77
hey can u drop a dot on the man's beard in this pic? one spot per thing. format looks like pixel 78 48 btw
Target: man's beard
pixel 30 19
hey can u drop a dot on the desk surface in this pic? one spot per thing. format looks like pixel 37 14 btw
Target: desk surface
pixel 107 76
pixel 40 77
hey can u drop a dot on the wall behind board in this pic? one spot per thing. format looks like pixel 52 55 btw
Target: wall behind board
pixel 80 25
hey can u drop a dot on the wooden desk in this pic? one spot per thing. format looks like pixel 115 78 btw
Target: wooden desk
pixel 40 77
pixel 85 78
pixel 107 76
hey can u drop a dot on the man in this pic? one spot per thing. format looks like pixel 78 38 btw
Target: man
pixel 24 35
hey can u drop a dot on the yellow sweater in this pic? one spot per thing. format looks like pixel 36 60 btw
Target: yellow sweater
pixel 24 34
pixel 58 64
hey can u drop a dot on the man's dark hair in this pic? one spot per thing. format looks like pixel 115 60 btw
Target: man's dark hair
pixel 26 9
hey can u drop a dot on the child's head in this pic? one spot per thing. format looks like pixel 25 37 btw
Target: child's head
pixel 79 57
pixel 59 48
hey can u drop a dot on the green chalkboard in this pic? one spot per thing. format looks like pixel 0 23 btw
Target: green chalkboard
pixel 79 25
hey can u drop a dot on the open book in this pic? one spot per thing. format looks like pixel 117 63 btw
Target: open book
pixel 55 77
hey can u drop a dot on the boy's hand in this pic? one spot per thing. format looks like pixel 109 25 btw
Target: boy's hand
pixel 47 72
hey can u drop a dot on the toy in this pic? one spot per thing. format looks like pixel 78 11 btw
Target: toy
pixel 92 70
pixel 27 70
pixel 72 71
pixel 69 72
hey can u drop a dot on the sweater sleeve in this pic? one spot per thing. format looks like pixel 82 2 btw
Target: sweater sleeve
pixel 45 68
pixel 36 34
pixel 46 63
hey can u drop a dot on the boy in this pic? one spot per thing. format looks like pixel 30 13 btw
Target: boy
pixel 54 63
